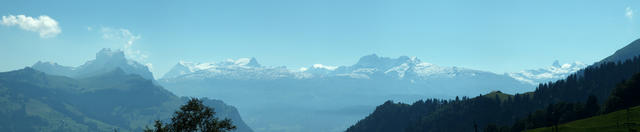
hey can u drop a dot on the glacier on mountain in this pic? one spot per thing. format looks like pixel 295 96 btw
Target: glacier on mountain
pixel 367 67
pixel 554 72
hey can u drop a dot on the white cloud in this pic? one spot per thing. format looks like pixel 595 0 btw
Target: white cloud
pixel 45 25
pixel 128 38
pixel 120 34
pixel 629 13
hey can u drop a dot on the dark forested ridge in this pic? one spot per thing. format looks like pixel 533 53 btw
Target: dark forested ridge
pixel 564 100
pixel 31 100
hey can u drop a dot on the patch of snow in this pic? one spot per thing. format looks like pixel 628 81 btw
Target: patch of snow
pixel 554 72
pixel 320 66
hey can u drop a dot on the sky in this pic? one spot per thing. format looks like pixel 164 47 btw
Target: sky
pixel 492 35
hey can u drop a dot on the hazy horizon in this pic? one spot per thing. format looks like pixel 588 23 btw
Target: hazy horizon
pixel 318 65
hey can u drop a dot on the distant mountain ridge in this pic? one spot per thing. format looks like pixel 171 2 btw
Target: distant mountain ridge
pixel 371 79
pixel 110 73
pixel 106 60
pixel 31 100
pixel 625 53
pixel 243 68
pixel 345 93
pixel 519 112
pixel 401 68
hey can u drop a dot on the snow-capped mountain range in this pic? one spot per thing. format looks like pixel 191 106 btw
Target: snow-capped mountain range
pixel 243 68
pixel 358 87
pixel 401 68
pixel 266 94
pixel 551 73
pixel 367 67
pixel 257 90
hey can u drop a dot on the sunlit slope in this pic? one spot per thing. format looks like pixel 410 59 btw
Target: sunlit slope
pixel 612 122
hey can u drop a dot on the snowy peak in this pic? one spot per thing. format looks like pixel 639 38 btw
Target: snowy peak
pixel 246 62
pixel 554 72
pixel 317 70
pixel 52 68
pixel 108 54
pixel 568 67
pixel 403 67
pixel 375 61
pixel 556 63
pixel 241 68
pixel 229 63
pixel 367 67
pixel 108 60
pixel 184 67
pixel 253 62
pixel 326 67
pixel 52 65
pixel 178 70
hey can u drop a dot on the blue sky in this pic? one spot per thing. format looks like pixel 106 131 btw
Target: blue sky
pixel 497 36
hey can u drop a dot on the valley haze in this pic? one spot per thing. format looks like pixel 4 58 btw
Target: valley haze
pixel 317 98
pixel 317 66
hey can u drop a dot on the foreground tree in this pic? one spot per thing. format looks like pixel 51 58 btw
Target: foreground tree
pixel 193 117
pixel 625 95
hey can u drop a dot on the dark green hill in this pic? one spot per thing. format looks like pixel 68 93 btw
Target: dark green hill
pixel 31 100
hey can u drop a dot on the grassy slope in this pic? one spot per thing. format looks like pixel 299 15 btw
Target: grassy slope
pixel 503 97
pixel 601 123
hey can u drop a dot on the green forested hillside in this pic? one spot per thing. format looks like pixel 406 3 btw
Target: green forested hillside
pixel 34 101
pixel 551 103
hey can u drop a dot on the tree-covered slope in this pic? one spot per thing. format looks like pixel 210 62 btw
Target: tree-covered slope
pixel 463 114
pixel 622 112
pixel 31 100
